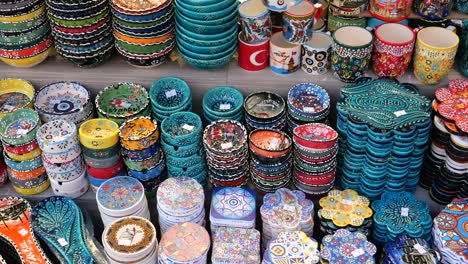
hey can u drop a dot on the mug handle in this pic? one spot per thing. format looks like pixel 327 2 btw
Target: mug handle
pixel 319 11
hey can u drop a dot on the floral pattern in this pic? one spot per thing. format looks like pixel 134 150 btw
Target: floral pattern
pixel 391 60
pixel 345 247
pixel 120 193
pixel 452 103
pixel 293 247
pixel 256 30
pixel 236 245
pixel 297 30
pixel 350 63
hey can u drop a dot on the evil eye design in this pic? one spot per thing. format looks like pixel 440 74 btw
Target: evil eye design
pixel 309 61
pixel 320 56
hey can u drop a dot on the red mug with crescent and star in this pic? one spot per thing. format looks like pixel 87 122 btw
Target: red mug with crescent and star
pixel 253 57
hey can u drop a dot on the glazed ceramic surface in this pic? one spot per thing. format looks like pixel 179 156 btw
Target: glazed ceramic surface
pixel 225 136
pixel 433 10
pixel 292 246
pixel 236 245
pixel 284 56
pixel 15 94
pixel 99 133
pixel 255 21
pixel 391 11
pixel 298 21
pixel 122 100
pixel 253 57
pixel 120 194
pixel 57 136
pixel 316 54
pixel 349 247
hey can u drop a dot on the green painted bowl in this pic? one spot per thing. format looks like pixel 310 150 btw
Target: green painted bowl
pixel 144 49
pixel 79 23
pixel 18 39
pixel 19 127
pixel 26 45
pixel 22 26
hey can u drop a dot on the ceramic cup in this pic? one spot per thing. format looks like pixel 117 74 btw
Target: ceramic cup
pixel 351 52
pixel 253 57
pixel 433 10
pixel 281 5
pixel 434 54
pixel 284 56
pixel 335 22
pixel 393 48
pixel 391 11
pixel 255 21
pixel 347 8
pixel 299 20
pixel 316 54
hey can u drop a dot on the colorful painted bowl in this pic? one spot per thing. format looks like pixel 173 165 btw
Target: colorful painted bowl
pixel 188 38
pixel 28 165
pixel 193 12
pixel 99 133
pixel 210 20
pixel 225 136
pixel 265 106
pixel 106 173
pixel 269 143
pixel 206 5
pixel 139 133
pixel 308 99
pixel 169 94
pixel 223 101
pixel 205 29
pixel 315 136
pixel 136 155
pixel 19 127
pixel 30 61
pixel 146 49
pixel 181 129
pixel 57 136
pixel 15 94
pixel 24 157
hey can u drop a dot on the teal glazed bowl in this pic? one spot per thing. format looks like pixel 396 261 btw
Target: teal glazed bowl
pixel 205 6
pixel 205 29
pixel 211 50
pixel 215 53
pixel 206 37
pixel 210 21
pixel 183 151
pixel 223 101
pixel 193 39
pixel 170 94
pixel 207 64
pixel 192 12
pixel 181 129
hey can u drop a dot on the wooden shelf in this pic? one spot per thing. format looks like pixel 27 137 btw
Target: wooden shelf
pixel 453 15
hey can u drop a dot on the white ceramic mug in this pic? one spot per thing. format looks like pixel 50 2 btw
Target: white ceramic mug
pixel 316 54
pixel 284 56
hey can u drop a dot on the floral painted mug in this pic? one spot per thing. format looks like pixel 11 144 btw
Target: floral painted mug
pixel 255 21
pixel 393 48
pixel 434 55
pixel 391 11
pixel 316 54
pixel 351 52
pixel 298 21
pixel 284 56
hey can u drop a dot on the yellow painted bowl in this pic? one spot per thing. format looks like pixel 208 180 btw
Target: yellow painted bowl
pixel 24 157
pixel 29 16
pixel 28 62
pixel 15 94
pixel 99 133
pixel 139 133
pixel 35 190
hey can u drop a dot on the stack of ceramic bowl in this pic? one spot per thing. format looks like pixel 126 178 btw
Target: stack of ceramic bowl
pixel 3 170
pixel 226 153
pixel 223 102
pixel 64 100
pixel 271 163
pixel 265 110
pixel 388 139
pixel 400 213
pixel 22 153
pixel 122 101
pixel 315 150
pixel 131 240
pixel 15 94
pixel 137 135
pixel 449 232
pixel 182 142
pixel 26 36
pixel 345 210
pixel 406 249
pixel 232 207
pixel 61 154
pixel 346 245
pixel 99 140
pixel 206 32
pixel 121 197
pixel 82 30
pixel 307 103
pixel 169 95
pixel 286 210
pixel 144 31
pixel 236 245
pixel 180 200
pixel 183 244
pixel 290 246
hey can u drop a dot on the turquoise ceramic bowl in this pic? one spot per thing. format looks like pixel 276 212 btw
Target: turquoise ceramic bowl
pixel 205 29
pixel 182 151
pixel 192 12
pixel 214 51
pixel 205 6
pixel 215 54
pixel 206 37
pixel 195 169
pixel 207 64
pixel 210 21
pixel 212 117
pixel 185 162
pixel 223 101
pixel 181 129
pixel 205 43
pixel 165 114
pixel 169 94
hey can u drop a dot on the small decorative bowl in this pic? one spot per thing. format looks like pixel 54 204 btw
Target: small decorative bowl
pixel 225 136
pixel 170 94
pixel 270 143
pixel 208 64
pixel 24 157
pixel 315 136
pixel 15 94
pixel 308 99
pixel 62 157
pixel 63 99
pixel 181 129
pixel 264 106
pixel 228 18
pixel 206 53
pixel 21 149
pixel 137 155
pixel 182 151
pixel 185 162
pixel 122 101
pixel 99 133
pixel 192 11
pixel 57 136
pixel 206 37
pixel 102 163
pixel 146 164
pixel 139 133
pixel 205 29
pixel 106 173
pixel 205 6
pixel 19 127
pixel 187 38
pixel 146 49
pixel 28 165
pixel 30 61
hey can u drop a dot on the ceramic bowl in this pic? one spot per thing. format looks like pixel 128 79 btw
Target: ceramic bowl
pixel 210 21
pixel 23 165
pixel 35 33
pixel 22 27
pixel 138 133
pixel 57 136
pixel 145 49
pixel 82 22
pixel 264 106
pixel 143 18
pixel 189 171
pixel 15 94
pixel 210 117
pixel 315 136
pixel 149 24
pixel 155 30
pixel 181 129
pixel 205 29
pixel 213 54
pixel 99 133
pixel 192 12
pixel 106 173
pixel 146 164
pixel 223 101
pixel 182 151
pixel 185 162
pixel 208 64
pixel 140 6
pixel 19 127
pixel 136 155
pixel 188 38
pixel 205 6
pixel 227 43
pixel 170 94
pixel 30 61
pixel 102 163
pixel 270 143
pixel 308 99
pixel 62 157
pixel 205 37
pixel 225 136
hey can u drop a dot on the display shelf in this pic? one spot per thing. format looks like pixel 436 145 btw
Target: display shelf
pixel 453 15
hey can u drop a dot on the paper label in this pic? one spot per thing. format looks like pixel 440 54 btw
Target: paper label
pixel 289 208
pixel 55 101
pixel 224 106
pixel 274 142
pixel 308 109
pixel 23 231
pixel 358 252
pixel 188 127
pixel 62 241
pixel 124 242
pixel 171 93
pixel 8 107
pixel 399 113
pixel 404 211
pixel 226 145
pixel 347 202
pixel 22 131
pixel 126 104
pixel 420 248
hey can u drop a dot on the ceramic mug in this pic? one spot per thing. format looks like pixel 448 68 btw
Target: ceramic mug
pixel 391 11
pixel 351 52
pixel 434 55
pixel 335 22
pixel 284 56
pixel 393 48
pixel 281 5
pixel 316 54
pixel 255 21
pixel 253 57
pixel 433 9
pixel 299 20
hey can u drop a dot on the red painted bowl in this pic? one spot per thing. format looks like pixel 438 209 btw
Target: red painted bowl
pixel 315 136
pixel 269 143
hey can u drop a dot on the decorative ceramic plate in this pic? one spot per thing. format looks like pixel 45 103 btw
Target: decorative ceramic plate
pixel 347 247
pixel 120 194
pixel 62 98
pixel 122 100
pixel 410 250
pixel 180 195
pixel 290 247
pixel 232 205
pixel 236 245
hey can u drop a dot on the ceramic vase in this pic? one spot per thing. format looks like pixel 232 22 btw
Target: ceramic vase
pixel 316 54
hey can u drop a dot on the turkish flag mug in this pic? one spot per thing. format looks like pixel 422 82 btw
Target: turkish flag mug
pixel 253 57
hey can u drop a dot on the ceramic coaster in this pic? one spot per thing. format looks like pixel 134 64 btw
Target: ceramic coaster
pixel 349 247
pixel 410 250
pixel 236 245
pixel 293 246
pixel 233 207
pixel 59 221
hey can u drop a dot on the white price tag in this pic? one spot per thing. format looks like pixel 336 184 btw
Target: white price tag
pixel 308 109
pixel 404 211
pixel 289 208
pixel 274 142
pixel 420 248
pixel 126 104
pixel 124 242
pixel 22 131
pixel 347 202
pixel 399 113
pixel 224 106
pixel 188 127
pixel 62 241
pixel 358 252
pixel 226 145
pixel 171 93
pixel 8 107
pixel 23 231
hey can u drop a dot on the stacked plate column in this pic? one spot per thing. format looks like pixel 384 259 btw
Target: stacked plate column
pixel 62 159
pixel 169 95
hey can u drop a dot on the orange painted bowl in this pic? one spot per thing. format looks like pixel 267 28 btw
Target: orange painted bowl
pixel 139 133
pixel 269 143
